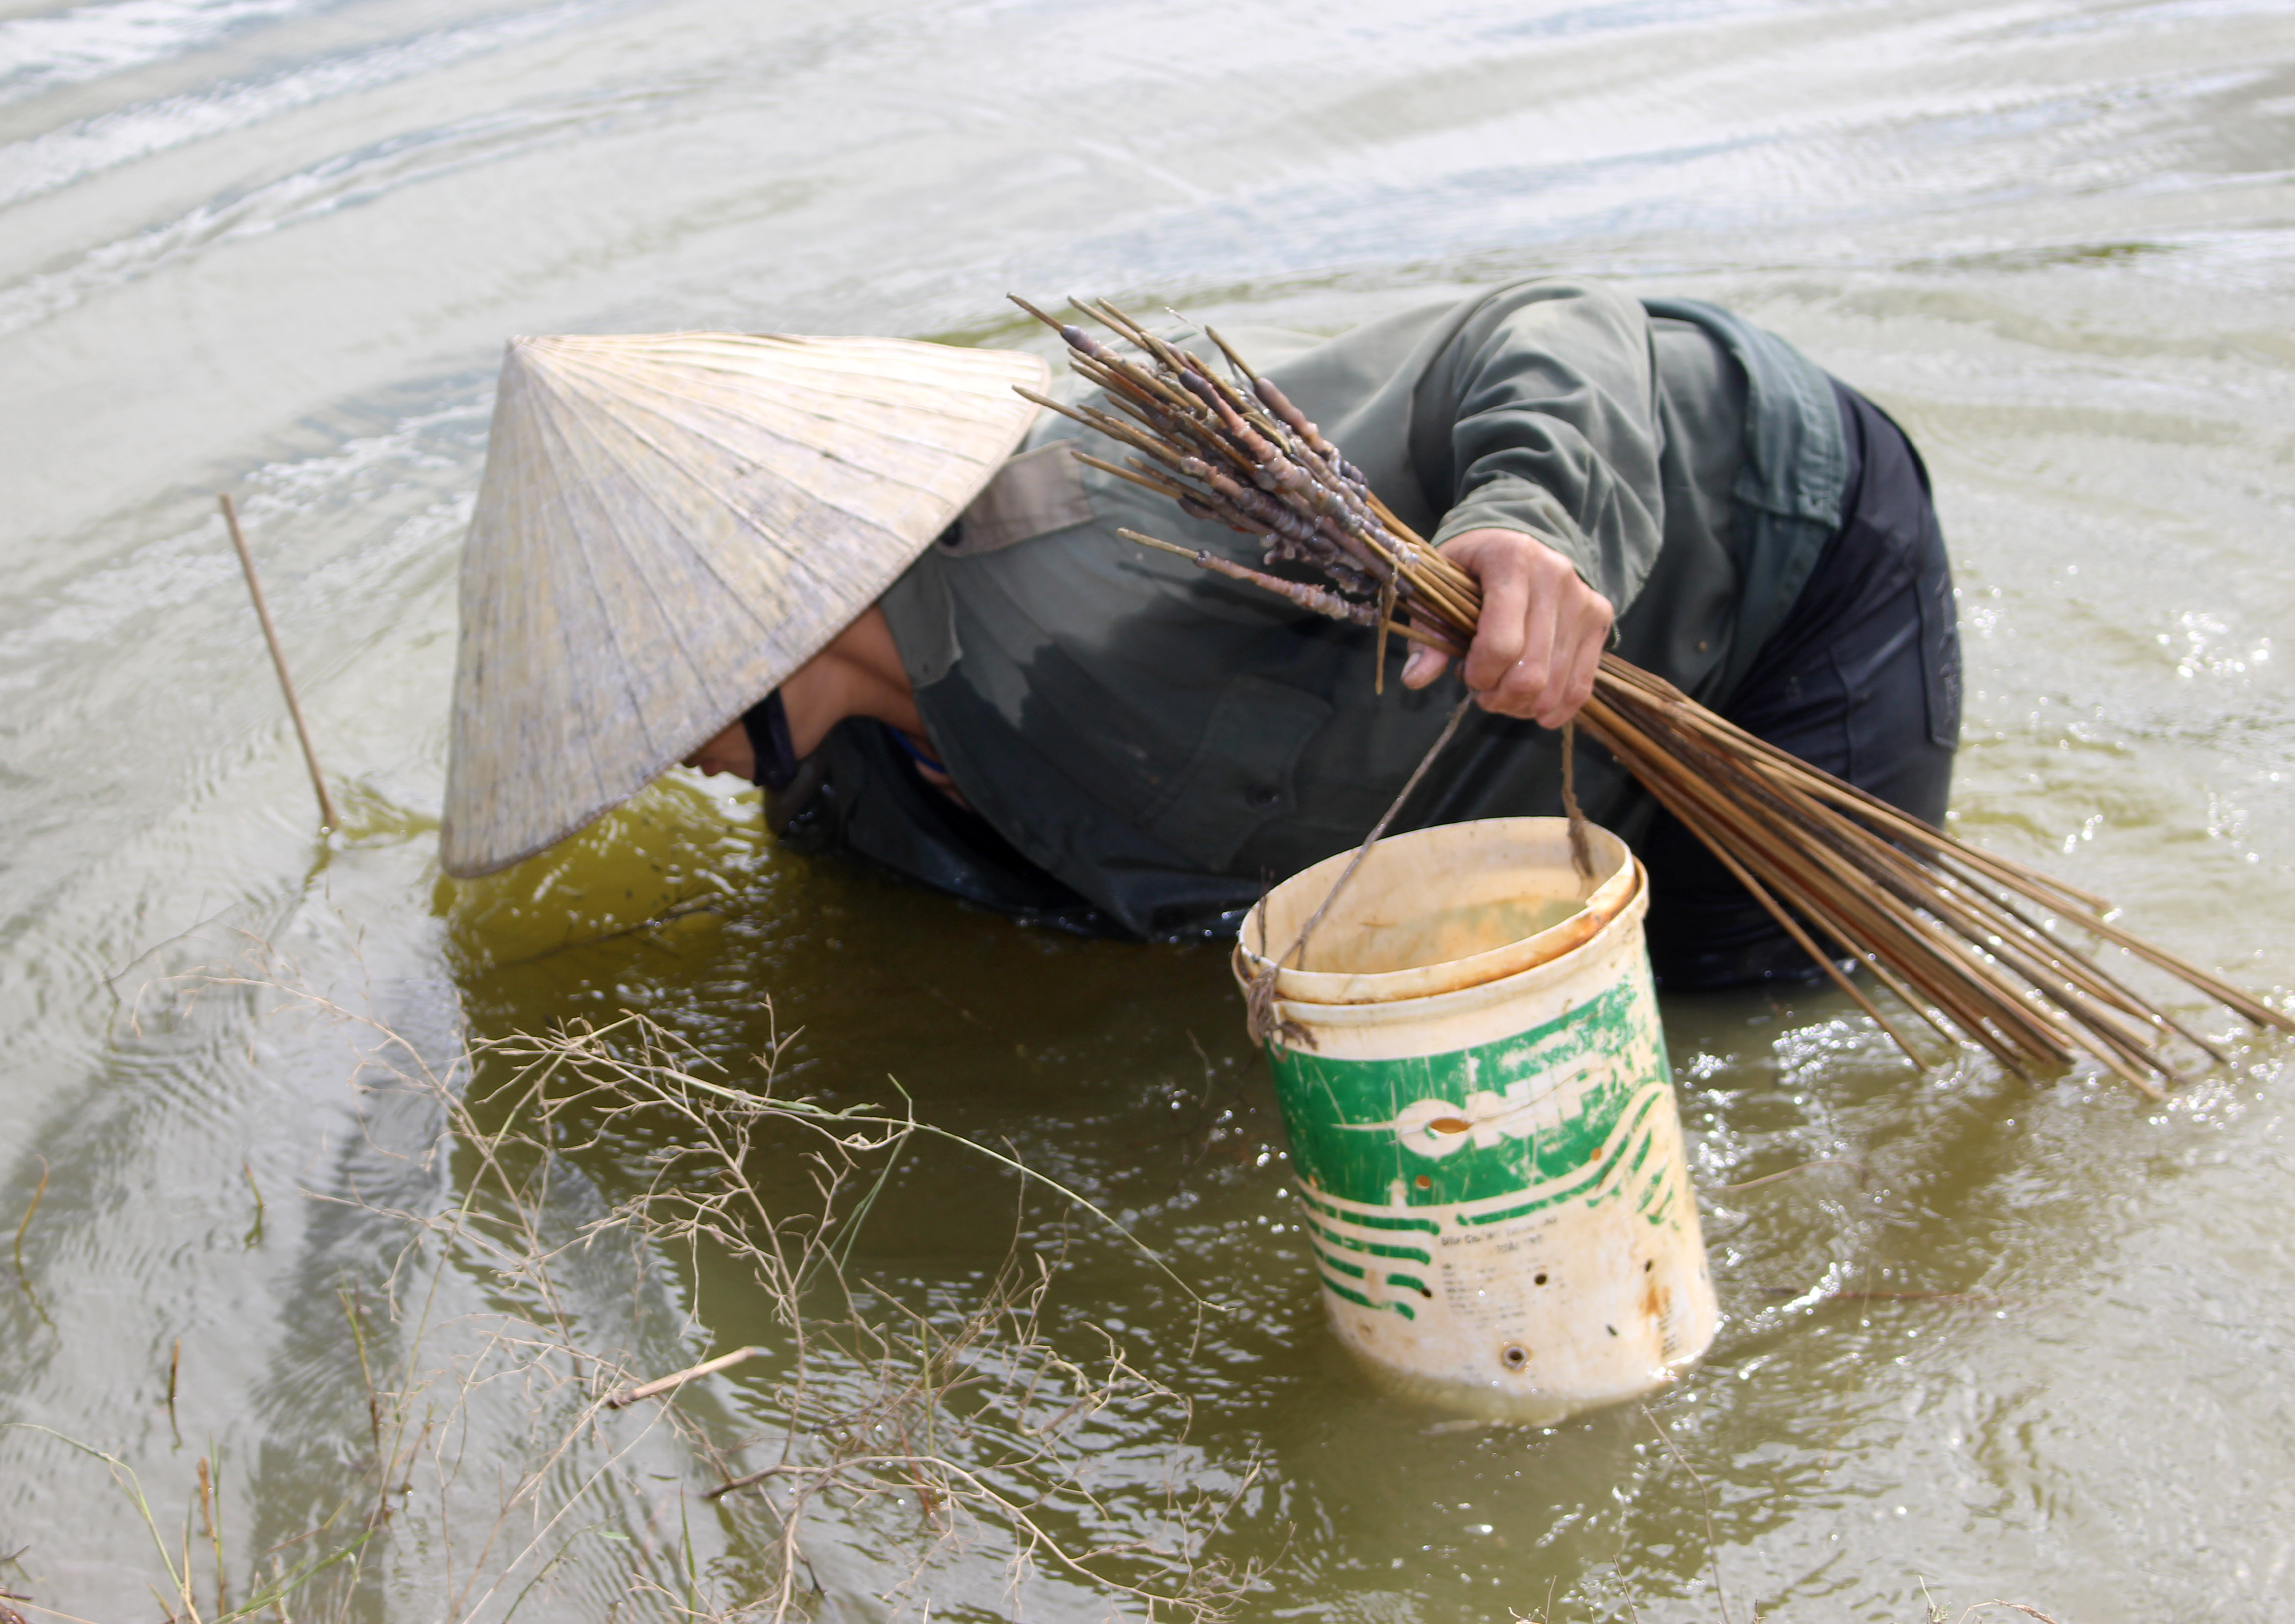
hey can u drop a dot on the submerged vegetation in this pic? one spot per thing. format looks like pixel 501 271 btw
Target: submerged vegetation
pixel 520 1450
pixel 951 1441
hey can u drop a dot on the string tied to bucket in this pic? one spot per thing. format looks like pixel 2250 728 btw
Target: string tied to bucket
pixel 1581 848
pixel 1266 1021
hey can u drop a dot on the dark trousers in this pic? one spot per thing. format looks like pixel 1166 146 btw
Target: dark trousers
pixel 1863 680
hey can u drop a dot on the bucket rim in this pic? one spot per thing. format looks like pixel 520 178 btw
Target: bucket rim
pixel 1324 988
pixel 1455 1001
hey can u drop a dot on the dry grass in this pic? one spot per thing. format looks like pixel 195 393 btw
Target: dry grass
pixel 936 1443
pixel 528 1456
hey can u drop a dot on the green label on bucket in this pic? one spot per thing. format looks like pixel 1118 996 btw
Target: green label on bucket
pixel 1474 1124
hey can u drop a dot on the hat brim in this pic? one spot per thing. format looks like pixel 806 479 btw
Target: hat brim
pixel 668 527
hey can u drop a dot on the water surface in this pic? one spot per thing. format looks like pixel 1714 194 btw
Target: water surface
pixel 273 246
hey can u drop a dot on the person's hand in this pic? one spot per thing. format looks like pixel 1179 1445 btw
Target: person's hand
pixel 1541 633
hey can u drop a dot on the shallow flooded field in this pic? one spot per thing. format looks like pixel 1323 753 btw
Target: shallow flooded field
pixel 2009 1339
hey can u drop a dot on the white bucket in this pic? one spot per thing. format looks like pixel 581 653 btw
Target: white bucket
pixel 1484 1130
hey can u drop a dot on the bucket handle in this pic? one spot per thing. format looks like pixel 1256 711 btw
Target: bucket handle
pixel 1267 1025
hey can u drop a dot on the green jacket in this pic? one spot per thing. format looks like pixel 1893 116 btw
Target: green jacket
pixel 1166 742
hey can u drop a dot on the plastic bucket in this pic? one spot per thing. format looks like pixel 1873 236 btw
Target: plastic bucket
pixel 1482 1118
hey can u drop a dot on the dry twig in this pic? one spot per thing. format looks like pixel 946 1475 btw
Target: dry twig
pixel 929 1431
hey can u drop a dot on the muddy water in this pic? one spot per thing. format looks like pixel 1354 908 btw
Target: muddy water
pixel 273 245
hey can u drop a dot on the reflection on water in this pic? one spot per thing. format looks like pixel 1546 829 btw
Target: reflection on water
pixel 666 862
pixel 273 245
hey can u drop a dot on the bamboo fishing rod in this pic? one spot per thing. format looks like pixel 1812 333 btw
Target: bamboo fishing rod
pixel 1968 941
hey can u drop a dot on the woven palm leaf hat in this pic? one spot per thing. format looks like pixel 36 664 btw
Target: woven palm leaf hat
pixel 669 525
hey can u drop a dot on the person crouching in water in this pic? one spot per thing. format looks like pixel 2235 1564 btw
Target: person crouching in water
pixel 1033 715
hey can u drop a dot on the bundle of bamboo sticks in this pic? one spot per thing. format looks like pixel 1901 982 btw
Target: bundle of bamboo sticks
pixel 1974 945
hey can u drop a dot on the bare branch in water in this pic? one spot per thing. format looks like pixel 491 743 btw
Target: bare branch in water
pixel 960 1418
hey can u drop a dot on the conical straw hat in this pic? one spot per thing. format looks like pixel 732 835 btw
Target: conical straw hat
pixel 670 523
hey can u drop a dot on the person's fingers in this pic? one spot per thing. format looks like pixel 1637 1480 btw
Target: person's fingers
pixel 1547 579
pixel 1539 638
pixel 1423 665
pixel 1504 574
pixel 1573 683
pixel 1521 690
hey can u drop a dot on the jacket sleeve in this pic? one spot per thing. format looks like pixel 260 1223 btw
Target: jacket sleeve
pixel 1540 415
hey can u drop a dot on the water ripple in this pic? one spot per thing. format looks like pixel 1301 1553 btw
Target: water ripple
pixel 60 158
pixel 340 181
pixel 90 42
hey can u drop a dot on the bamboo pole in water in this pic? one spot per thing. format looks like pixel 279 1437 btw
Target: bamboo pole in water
pixel 327 818
pixel 1967 940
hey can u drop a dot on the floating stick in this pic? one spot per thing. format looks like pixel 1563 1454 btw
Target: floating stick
pixel 724 1361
